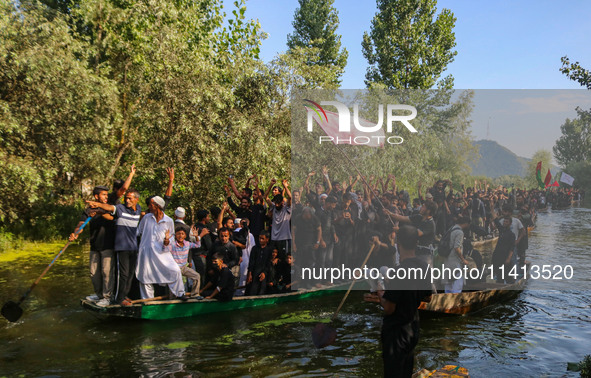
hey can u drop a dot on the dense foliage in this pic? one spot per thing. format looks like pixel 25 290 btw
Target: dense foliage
pixel 573 148
pixel 315 23
pixel 90 87
pixel 408 46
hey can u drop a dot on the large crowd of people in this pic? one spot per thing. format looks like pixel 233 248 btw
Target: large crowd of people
pixel 250 244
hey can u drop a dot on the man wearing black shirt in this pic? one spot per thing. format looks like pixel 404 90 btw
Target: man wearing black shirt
pixel 400 328
pixel 426 228
pixel 504 251
pixel 224 247
pixel 259 266
pixel 102 243
pixel 224 283
pixel 326 215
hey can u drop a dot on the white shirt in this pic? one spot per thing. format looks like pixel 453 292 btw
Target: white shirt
pixel 155 266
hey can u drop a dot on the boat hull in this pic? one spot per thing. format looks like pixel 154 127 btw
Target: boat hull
pixel 473 300
pixel 172 309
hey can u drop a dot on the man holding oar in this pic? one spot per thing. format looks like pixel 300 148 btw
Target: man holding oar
pixel 127 218
pixel 102 242
pixel 400 327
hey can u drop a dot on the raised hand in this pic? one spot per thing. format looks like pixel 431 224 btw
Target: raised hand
pixel 170 173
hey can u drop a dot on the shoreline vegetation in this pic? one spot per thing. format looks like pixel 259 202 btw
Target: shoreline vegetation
pixel 182 85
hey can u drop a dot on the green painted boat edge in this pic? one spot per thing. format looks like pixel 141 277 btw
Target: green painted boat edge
pixel 163 310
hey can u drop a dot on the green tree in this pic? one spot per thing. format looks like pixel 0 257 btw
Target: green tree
pixel 55 126
pixel 581 171
pixel 315 23
pixel 408 47
pixel 575 142
pixel 576 72
pixel 545 157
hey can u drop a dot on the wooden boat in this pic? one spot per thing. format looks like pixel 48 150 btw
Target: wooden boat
pixel 485 241
pixel 473 298
pixel 170 309
pixel 561 206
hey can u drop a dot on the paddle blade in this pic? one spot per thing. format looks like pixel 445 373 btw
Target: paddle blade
pixel 12 311
pixel 323 335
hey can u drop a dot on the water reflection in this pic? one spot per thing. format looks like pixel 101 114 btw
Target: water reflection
pixel 535 334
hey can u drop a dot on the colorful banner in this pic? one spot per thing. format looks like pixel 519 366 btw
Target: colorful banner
pixel 547 179
pixel 567 179
pixel 539 175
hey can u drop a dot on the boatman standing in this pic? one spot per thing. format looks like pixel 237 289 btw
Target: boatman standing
pixel 156 265
pixel 400 327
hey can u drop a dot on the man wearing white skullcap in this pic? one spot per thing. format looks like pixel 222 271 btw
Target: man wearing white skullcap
pixel 155 266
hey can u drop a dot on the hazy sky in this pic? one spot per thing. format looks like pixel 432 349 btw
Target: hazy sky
pixel 501 45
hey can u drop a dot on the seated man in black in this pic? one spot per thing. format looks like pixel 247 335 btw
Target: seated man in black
pixel 223 287
pixel 259 266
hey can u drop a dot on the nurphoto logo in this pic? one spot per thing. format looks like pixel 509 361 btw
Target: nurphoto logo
pixel 342 128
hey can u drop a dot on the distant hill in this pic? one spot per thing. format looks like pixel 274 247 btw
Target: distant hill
pixel 496 160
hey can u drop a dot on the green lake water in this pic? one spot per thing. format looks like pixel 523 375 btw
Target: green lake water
pixel 534 335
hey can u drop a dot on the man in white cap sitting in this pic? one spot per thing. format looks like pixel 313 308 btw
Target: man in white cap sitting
pixel 155 265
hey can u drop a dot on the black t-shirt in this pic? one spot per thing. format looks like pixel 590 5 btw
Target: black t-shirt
pixel 504 246
pixel 228 250
pixel 306 230
pixel 257 219
pixel 260 261
pixel 426 226
pixel 406 294
pixel 102 233
pixel 326 218
pixel 225 284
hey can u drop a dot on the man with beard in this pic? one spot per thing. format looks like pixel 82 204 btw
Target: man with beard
pixel 280 213
pixel 102 243
pixel 127 218
pixel 155 264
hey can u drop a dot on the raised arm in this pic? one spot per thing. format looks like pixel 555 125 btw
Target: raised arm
pixel 307 183
pixel 170 172
pixel 393 184
pixel 327 179
pixel 384 185
pixel 352 184
pixel 286 192
pixel 127 182
pixel 221 216
pixel 248 181
pixel 419 190
pixel 234 188
pixel 273 181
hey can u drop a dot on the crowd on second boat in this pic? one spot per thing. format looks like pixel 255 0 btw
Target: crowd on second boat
pixel 249 245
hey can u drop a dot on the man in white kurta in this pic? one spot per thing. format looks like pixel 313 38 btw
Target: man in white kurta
pixel 156 266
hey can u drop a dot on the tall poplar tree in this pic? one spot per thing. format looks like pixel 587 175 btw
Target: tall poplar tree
pixel 315 23
pixel 408 47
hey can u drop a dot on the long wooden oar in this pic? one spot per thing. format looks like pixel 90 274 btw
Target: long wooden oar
pixel 323 334
pixel 12 310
